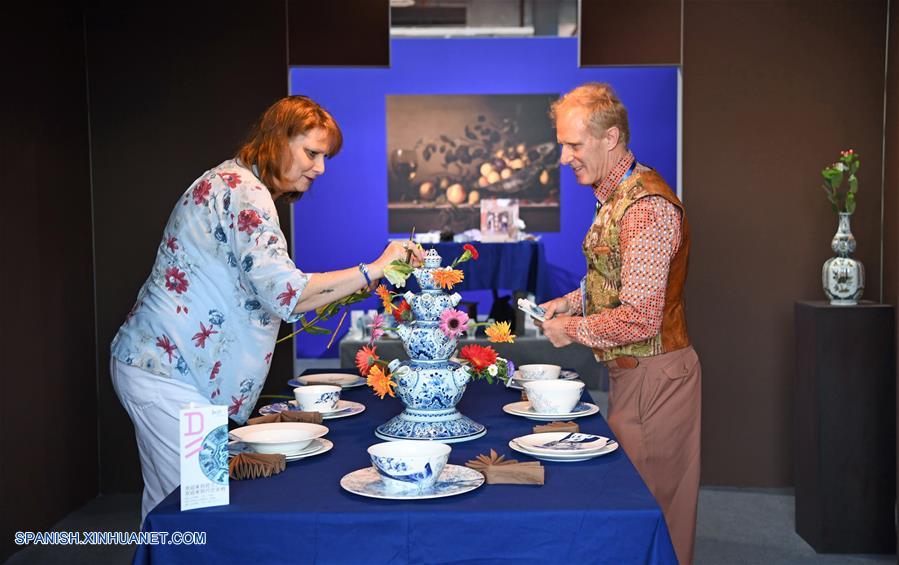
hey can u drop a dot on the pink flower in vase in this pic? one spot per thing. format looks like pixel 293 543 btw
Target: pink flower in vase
pixel 453 322
pixel 377 328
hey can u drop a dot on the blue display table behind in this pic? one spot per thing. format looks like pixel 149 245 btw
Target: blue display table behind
pixel 512 266
pixel 596 511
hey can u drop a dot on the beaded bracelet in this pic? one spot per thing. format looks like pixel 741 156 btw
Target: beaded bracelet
pixel 364 270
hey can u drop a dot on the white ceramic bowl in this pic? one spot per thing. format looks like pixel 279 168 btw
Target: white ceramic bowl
pixel 317 398
pixel 405 465
pixel 279 437
pixel 554 397
pixel 539 372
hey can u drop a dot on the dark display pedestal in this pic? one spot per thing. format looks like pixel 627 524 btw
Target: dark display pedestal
pixel 845 427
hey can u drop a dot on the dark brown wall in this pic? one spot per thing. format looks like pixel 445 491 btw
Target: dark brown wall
pixel 891 194
pixel 773 91
pixel 48 382
pixel 613 31
pixel 339 33
pixel 170 97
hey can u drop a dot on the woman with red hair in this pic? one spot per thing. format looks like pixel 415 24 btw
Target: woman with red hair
pixel 204 325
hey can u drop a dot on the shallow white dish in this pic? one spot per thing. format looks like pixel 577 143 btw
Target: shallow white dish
pixel 342 379
pixel 523 408
pixel 562 443
pixel 279 437
pixel 315 447
pixel 344 408
pixel 455 479
pixel 608 448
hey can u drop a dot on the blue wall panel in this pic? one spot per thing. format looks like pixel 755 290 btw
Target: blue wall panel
pixel 343 220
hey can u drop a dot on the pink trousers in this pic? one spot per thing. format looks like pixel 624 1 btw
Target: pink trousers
pixel 654 410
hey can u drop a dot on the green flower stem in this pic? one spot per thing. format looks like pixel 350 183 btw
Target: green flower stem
pixel 302 329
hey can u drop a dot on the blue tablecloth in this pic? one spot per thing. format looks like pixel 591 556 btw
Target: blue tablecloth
pixel 512 266
pixel 596 511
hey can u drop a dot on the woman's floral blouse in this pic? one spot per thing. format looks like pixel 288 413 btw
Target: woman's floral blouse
pixel 209 312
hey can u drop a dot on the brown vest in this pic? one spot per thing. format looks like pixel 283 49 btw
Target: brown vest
pixel 602 250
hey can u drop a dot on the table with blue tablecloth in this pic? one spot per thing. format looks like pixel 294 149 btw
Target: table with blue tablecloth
pixel 596 511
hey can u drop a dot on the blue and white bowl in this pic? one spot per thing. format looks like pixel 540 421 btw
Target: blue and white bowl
pixel 317 398
pixel 409 465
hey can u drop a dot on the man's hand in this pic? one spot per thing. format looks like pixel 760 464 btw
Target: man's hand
pixel 556 306
pixel 554 329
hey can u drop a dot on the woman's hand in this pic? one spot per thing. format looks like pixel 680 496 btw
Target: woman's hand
pixel 556 306
pixel 398 251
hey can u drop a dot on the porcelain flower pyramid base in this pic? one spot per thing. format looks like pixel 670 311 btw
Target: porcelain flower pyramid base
pixel 429 384
pixel 447 426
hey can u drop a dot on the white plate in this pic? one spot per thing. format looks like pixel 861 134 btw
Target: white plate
pixel 453 480
pixel 341 379
pixel 609 448
pixel 319 446
pixel 517 379
pixel 523 408
pixel 315 447
pixel 344 408
pixel 278 437
pixel 562 443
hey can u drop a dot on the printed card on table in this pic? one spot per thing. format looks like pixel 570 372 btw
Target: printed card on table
pixel 204 456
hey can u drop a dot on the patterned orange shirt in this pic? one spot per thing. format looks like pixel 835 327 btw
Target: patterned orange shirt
pixel 650 236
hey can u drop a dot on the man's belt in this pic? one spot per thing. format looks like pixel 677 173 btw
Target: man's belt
pixel 625 362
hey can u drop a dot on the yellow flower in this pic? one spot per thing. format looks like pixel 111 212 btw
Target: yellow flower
pixel 384 295
pixel 446 278
pixel 500 332
pixel 382 384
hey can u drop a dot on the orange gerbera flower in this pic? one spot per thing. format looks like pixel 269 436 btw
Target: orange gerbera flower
pixel 382 384
pixel 500 332
pixel 446 278
pixel 384 295
pixel 479 356
pixel 366 358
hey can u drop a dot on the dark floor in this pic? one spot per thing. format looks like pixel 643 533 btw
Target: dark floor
pixel 735 526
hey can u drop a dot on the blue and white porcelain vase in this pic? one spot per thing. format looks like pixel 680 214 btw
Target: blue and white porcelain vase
pixel 842 276
pixel 429 384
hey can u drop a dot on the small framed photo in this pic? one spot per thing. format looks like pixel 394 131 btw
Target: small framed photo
pixel 499 219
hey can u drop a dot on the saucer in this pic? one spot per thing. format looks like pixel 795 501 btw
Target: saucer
pixel 565 458
pixel 453 480
pixel 564 375
pixel 344 408
pixel 343 380
pixel 562 443
pixel 523 408
pixel 323 446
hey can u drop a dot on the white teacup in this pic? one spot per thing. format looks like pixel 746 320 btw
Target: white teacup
pixel 405 465
pixel 317 398
pixel 554 397
pixel 539 372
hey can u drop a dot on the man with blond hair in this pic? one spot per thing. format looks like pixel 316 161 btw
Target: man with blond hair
pixel 629 308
